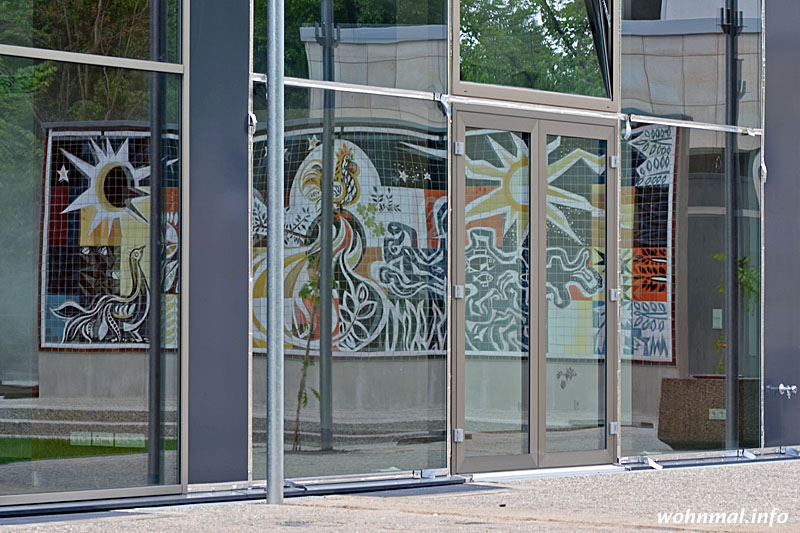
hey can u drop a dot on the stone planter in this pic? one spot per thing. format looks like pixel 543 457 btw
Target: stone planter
pixel 684 419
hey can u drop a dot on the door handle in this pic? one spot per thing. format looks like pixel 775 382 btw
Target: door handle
pixel 782 389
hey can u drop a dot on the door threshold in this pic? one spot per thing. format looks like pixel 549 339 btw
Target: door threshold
pixel 518 475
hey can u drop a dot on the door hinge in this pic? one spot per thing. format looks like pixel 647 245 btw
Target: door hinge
pixel 458 148
pixel 458 292
pixel 613 161
pixel 458 435
pixel 612 428
pixel 613 295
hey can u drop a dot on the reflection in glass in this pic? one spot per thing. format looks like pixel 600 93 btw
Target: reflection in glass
pixel 497 317
pixel 388 333
pixel 675 343
pixel 75 263
pixel 576 301
pixel 676 58
pixel 399 44
pixel 551 45
pixel 118 28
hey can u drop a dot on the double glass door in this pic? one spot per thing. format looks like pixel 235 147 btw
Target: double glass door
pixel 532 382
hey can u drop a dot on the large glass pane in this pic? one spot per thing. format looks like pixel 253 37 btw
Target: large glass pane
pixel 389 262
pixel 677 371
pixel 119 28
pixel 576 302
pixel 402 43
pixel 551 45
pixel 676 60
pixel 75 328
pixel 497 312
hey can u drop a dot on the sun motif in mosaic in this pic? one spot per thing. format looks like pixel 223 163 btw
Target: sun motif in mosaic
pixel 114 186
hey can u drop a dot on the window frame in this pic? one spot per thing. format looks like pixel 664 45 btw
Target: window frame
pixel 459 87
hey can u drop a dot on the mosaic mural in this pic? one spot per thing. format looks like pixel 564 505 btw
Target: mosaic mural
pixel 648 244
pixel 95 288
pixel 576 247
pixel 390 227
pixel 389 242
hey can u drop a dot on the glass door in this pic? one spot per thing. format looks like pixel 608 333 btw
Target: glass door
pixel 576 388
pixel 530 378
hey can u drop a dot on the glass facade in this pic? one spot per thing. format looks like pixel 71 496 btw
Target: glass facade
pixel 401 44
pixel 675 346
pixel 77 311
pixel 388 334
pixel 680 61
pixel 603 300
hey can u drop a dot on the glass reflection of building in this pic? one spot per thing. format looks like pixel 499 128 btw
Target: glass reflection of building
pixel 534 223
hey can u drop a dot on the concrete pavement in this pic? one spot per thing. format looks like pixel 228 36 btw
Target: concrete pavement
pixel 629 501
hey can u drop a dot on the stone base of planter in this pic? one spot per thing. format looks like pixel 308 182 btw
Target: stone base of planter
pixel 684 419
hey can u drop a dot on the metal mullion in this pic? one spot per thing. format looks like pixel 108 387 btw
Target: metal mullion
pixel 91 59
pixel 508 105
pixel 613 352
pixel 183 363
pixel 450 355
pixel 537 254
pixel 353 88
pixel 457 325
pixel 540 353
pixel 532 107
pixel 644 119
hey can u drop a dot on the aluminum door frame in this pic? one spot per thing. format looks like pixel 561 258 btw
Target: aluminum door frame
pixel 537 124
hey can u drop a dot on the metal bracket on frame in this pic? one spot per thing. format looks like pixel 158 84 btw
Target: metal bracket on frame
pixel 613 161
pixel 459 148
pixel 444 103
pixel 613 428
pixel 252 121
pixel 458 292
pixel 747 454
pixel 458 435
pixel 641 460
pixel 613 295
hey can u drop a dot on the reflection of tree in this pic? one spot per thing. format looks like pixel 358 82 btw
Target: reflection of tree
pixel 119 28
pixel 542 44
pixel 346 13
pixel 299 13
pixel 106 27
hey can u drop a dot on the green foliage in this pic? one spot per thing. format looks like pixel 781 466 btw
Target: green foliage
pixel 749 281
pixel 16 449
pixel 540 44
pixel 309 291
pixel 368 214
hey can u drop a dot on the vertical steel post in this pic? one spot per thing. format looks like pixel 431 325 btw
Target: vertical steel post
pixel 326 237
pixel 275 120
pixel 155 446
pixel 731 25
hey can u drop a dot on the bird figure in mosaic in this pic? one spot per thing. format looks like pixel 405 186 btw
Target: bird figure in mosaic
pixel 110 317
